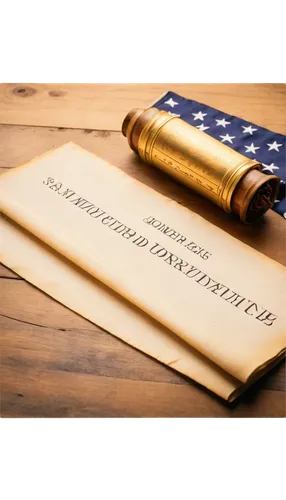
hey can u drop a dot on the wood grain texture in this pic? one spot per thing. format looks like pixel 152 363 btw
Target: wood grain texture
pixel 113 147
pixel 55 363
pixel 7 273
pixel 47 371
pixel 104 106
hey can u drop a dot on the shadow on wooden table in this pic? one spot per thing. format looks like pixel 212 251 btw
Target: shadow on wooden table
pixel 259 235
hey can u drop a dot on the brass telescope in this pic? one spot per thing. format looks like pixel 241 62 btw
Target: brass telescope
pixel 229 179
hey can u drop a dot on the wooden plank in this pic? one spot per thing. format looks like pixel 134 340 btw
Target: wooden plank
pixel 88 350
pixel 50 337
pixel 29 392
pixel 19 145
pixel 26 303
pixel 32 141
pixel 103 106
pixel 5 272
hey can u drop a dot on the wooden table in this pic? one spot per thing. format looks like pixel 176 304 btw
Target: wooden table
pixel 54 363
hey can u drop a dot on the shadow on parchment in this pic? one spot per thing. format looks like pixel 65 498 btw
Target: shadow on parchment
pixel 251 234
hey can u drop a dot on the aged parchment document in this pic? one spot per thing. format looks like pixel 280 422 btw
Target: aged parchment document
pixel 144 268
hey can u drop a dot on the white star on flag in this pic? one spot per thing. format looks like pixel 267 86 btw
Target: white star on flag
pixel 263 147
pixel 227 138
pixel 202 127
pixel 249 130
pixel 274 146
pixel 269 167
pixel 222 123
pixel 171 102
pixel 199 115
pixel 251 148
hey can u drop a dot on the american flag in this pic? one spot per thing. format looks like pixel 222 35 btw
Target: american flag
pixel 257 143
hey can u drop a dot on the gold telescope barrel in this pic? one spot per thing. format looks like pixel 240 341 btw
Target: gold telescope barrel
pixel 229 179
